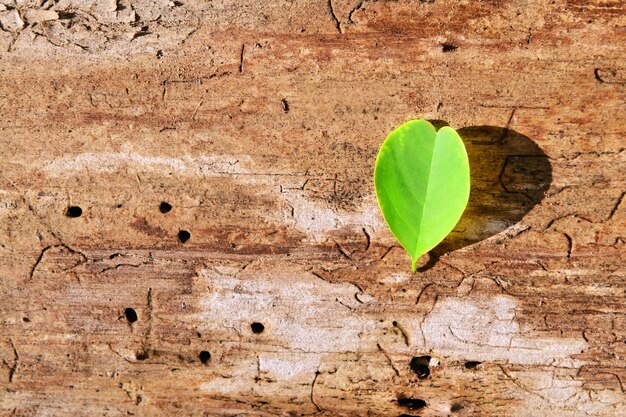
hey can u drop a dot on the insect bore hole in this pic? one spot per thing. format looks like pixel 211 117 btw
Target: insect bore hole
pixel 131 315
pixel 205 357
pixel 165 207
pixel 74 211
pixel 257 327
pixel 456 407
pixel 184 236
pixel 420 365
pixel 412 403
pixel 472 364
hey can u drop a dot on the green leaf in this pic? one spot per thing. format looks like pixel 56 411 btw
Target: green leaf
pixel 422 183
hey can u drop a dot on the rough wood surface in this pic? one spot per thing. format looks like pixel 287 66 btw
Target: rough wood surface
pixel 259 123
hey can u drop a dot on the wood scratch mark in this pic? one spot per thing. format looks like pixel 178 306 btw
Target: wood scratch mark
pixel 523 387
pixel 195 112
pixel 403 332
pixel 388 359
pixel 38 261
pixel 421 293
pixel 616 206
pixel 368 240
pixel 241 57
pixel 342 251
pixel 506 130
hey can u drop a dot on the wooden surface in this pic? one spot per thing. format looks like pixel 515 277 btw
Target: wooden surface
pixel 259 123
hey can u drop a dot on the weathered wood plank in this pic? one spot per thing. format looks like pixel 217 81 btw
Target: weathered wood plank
pixel 259 123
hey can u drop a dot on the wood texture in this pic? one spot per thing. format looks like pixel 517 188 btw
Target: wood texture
pixel 259 123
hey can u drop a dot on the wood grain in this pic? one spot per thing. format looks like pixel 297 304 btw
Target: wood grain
pixel 259 123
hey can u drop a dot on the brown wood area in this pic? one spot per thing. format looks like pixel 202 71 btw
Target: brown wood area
pixel 269 284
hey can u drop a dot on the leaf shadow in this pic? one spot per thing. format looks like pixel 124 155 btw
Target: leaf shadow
pixel 510 175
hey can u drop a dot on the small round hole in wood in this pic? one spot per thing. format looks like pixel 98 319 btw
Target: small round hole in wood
pixel 131 315
pixel 74 211
pixel 205 357
pixel 184 236
pixel 165 207
pixel 257 327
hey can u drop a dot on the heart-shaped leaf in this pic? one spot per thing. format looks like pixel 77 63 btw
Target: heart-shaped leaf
pixel 422 183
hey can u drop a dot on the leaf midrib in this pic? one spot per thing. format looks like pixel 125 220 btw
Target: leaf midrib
pixel 423 205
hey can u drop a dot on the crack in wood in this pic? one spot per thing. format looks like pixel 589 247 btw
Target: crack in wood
pixel 73 251
pixel 16 362
pixel 334 16
pixel 354 10
pixel 146 345
pixel 312 395
pixel 368 240
pixel 570 245
pixel 241 53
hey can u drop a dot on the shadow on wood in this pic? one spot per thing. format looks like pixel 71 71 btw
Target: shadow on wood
pixel 510 174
